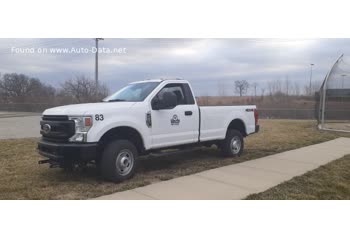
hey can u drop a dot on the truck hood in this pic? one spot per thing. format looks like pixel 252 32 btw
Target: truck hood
pixel 87 108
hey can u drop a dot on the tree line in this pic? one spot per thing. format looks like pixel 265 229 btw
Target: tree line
pixel 272 88
pixel 20 88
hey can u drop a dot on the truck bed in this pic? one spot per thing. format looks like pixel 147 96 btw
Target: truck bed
pixel 214 120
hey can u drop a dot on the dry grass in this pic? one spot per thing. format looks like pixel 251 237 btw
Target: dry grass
pixel 22 178
pixel 345 126
pixel 293 102
pixel 331 181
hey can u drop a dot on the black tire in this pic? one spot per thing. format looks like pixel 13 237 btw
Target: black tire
pixel 226 145
pixel 115 157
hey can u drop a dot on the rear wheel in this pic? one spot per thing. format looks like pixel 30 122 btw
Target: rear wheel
pixel 119 160
pixel 233 144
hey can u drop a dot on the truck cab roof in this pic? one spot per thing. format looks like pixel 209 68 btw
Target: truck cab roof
pixel 160 80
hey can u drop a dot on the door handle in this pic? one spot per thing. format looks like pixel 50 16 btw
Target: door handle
pixel 188 113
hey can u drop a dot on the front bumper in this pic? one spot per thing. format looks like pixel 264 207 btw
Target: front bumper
pixel 60 151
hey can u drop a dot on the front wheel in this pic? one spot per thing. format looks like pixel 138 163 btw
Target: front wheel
pixel 233 144
pixel 119 161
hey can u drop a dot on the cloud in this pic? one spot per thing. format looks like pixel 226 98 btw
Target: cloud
pixel 204 62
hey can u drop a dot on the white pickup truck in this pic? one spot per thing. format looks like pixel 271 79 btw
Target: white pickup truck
pixel 139 119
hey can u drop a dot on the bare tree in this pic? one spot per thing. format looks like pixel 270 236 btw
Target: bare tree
pixel 21 88
pixel 316 86
pixel 82 89
pixel 2 96
pixel 296 89
pixel 14 86
pixel 274 87
pixel 241 87
pixel 221 88
pixel 262 93
pixel 270 87
pixel 278 86
pixel 307 90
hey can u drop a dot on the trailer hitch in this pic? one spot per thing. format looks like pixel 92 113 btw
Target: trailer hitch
pixel 44 161
pixel 52 163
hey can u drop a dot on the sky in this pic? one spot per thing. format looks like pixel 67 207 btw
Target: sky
pixel 206 63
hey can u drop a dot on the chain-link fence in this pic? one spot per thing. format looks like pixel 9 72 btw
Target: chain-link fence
pixel 268 113
pixel 334 98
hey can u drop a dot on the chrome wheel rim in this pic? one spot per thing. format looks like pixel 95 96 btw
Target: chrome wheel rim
pixel 124 162
pixel 236 145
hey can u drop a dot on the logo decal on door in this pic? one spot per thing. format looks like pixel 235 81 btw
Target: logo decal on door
pixel 175 120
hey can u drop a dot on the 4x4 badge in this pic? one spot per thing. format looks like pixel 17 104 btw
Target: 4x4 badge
pixel 175 120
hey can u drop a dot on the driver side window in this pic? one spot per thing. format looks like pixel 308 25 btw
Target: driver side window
pixel 182 92
pixel 176 90
pixel 173 94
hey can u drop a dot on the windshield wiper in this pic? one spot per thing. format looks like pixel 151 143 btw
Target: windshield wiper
pixel 117 100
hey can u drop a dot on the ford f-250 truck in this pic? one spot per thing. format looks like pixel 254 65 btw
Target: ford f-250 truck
pixel 139 119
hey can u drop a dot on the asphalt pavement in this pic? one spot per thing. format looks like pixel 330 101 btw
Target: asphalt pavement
pixel 19 125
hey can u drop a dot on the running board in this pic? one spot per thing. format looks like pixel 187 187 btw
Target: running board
pixel 164 153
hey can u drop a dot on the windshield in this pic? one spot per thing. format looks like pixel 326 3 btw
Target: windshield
pixel 134 92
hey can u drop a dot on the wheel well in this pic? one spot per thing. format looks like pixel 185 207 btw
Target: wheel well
pixel 238 124
pixel 127 133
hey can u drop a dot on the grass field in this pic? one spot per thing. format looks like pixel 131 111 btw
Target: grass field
pixel 331 181
pixel 22 178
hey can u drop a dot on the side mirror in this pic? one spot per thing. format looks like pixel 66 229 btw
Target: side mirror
pixel 169 101
pixel 156 103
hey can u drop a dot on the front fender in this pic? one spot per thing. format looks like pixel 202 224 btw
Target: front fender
pixel 99 129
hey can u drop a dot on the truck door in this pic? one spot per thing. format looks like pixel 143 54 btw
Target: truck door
pixel 178 125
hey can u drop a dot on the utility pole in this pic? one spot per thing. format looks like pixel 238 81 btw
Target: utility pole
pixel 255 85
pixel 342 85
pixel 310 87
pixel 96 60
pixel 287 85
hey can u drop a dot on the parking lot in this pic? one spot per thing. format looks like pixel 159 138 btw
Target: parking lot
pixel 19 125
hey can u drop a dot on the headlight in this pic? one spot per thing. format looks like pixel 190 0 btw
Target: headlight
pixel 82 126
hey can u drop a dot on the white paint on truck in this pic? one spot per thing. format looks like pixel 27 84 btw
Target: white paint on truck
pixel 162 113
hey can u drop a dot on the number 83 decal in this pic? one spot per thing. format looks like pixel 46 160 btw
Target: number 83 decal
pixel 99 117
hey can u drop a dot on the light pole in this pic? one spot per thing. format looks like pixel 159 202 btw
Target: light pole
pixel 342 84
pixel 96 60
pixel 310 87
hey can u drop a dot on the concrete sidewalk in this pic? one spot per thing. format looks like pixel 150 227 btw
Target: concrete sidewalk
pixel 237 181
